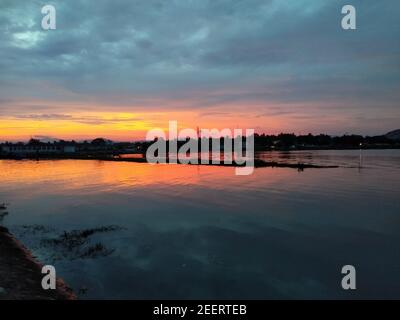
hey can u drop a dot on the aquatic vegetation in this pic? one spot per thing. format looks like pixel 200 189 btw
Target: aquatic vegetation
pixel 97 250
pixel 76 238
pixel 75 244
pixel 35 229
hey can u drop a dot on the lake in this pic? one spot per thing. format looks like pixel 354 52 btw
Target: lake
pixel 200 232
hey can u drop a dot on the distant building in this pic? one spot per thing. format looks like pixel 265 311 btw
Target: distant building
pixel 36 148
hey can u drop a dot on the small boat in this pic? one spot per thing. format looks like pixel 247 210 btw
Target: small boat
pixel 3 206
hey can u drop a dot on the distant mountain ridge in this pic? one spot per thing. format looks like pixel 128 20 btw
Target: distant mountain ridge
pixel 393 135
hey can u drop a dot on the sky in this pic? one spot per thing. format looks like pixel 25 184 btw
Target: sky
pixel 119 68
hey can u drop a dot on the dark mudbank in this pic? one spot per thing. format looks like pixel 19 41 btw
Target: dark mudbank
pixel 20 274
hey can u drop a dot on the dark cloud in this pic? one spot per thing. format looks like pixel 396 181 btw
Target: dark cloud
pixel 44 117
pixel 90 120
pixel 207 51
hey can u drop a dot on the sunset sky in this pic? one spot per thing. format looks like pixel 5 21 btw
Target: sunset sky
pixel 118 68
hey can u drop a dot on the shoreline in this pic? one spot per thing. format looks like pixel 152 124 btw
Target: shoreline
pixel 20 273
pixel 258 163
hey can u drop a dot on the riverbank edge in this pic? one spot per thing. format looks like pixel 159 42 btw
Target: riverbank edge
pixel 20 273
pixel 258 163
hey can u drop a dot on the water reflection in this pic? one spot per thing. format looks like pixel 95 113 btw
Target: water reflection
pixel 202 232
pixel 344 158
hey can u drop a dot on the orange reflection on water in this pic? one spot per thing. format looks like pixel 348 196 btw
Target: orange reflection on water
pixel 77 175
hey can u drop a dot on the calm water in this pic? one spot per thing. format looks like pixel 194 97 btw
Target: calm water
pixel 202 232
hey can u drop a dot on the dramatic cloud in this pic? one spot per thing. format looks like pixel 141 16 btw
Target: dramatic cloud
pixel 219 58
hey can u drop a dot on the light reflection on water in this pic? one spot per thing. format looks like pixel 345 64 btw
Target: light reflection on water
pixel 343 158
pixel 202 232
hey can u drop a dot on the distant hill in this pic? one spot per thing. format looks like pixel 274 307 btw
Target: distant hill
pixel 393 135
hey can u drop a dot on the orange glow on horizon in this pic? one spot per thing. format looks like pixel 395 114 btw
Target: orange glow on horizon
pixel 86 120
pixel 118 126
